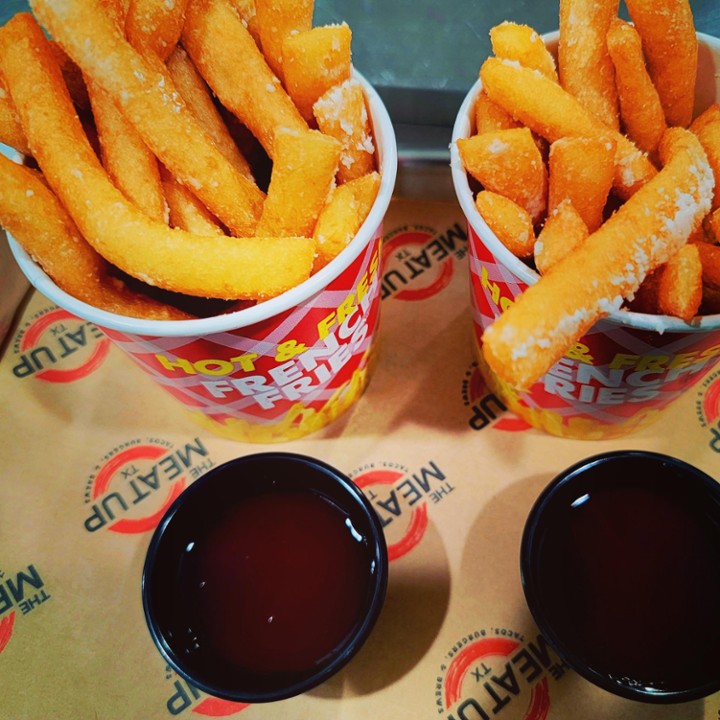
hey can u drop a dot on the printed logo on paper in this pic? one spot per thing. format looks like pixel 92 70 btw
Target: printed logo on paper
pixel 133 485
pixel 485 409
pixel 56 347
pixel 418 261
pixel 185 696
pixel 401 498
pixel 496 672
pixel 708 408
pixel 21 592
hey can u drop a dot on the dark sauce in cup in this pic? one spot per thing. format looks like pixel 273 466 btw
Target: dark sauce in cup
pixel 277 584
pixel 266 579
pixel 621 567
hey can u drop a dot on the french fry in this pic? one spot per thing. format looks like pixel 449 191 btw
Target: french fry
pixel 712 225
pixel 563 231
pixel 147 98
pixel 126 158
pixel 581 169
pixel 341 112
pixel 513 41
pixel 153 27
pixel 219 43
pixel 11 132
pixel 550 111
pixel 675 288
pixel 276 20
pixel 194 90
pixel 314 61
pixel 510 222
pixel 31 212
pixel 490 116
pixel 252 267
pixel 670 45
pixel 185 211
pixel 342 216
pixel 302 177
pixel 524 342
pixel 584 65
pixel 509 163
pixel 709 135
pixel 641 111
pixel 709 115
pixel 710 259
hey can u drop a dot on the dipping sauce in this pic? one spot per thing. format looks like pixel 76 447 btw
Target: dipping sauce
pixel 621 566
pixel 267 579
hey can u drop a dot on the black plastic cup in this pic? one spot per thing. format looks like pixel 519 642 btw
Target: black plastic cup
pixel 265 577
pixel 620 565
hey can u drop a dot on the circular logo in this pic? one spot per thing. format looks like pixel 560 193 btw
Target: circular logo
pixel 134 487
pixel 415 264
pixel 58 347
pixel 401 541
pixel 708 408
pixel 490 673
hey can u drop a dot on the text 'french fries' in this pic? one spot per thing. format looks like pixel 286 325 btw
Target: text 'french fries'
pixel 630 176
pixel 177 145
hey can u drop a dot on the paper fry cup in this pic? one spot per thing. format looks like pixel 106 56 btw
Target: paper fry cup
pixel 284 367
pixel 629 366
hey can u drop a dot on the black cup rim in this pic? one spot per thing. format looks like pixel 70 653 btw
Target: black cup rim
pixel 352 496
pixel 528 575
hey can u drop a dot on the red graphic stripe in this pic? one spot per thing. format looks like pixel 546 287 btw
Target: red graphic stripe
pixel 215 707
pixel 711 402
pixel 416 530
pixel 539 702
pixel 461 664
pixel 107 473
pixel 6 630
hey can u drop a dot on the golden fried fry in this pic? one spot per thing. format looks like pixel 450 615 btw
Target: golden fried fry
pixel 153 27
pixel 342 216
pixel 195 92
pixel 341 112
pixel 221 267
pixel 314 61
pixel 710 259
pixel 11 132
pixel 709 135
pixel 302 177
pixel 563 231
pixel 186 211
pixel 641 111
pixel 227 57
pixel 147 98
pixel 512 41
pixel 126 158
pixel 670 45
pixel 524 342
pixel 552 112
pixel 712 225
pixel 490 116
pixel 37 220
pixel 584 65
pixel 581 169
pixel 276 20
pixel 710 114
pixel 509 163
pixel 510 222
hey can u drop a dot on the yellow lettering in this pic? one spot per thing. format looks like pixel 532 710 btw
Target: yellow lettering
pixel 653 362
pixel 180 364
pixel 346 309
pixel 214 367
pixel 683 360
pixel 324 326
pixel 621 360
pixel 246 361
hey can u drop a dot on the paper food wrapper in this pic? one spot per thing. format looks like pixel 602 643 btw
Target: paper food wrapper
pixel 93 451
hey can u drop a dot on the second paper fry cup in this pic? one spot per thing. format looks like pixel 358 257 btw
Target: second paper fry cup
pixel 283 368
pixel 629 366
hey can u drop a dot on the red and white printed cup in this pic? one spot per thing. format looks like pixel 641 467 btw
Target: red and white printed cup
pixel 284 367
pixel 629 366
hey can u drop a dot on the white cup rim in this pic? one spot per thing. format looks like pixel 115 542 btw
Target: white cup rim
pixel 626 318
pixel 386 146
